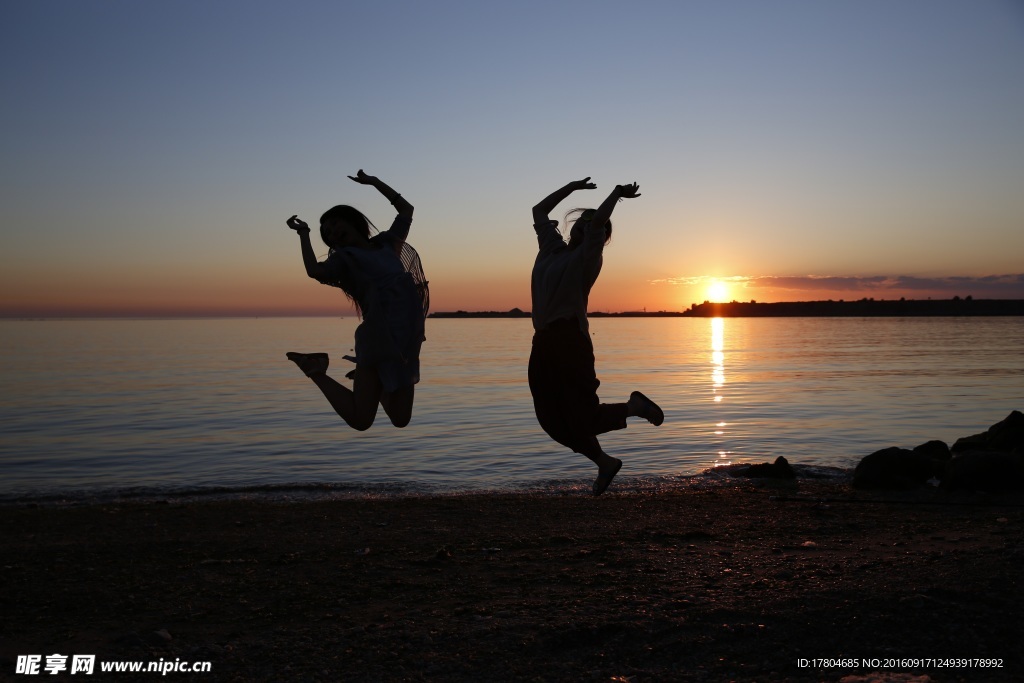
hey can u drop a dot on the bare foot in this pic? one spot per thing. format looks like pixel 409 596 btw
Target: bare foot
pixel 310 363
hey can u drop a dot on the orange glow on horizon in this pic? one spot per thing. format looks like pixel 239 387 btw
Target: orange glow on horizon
pixel 286 291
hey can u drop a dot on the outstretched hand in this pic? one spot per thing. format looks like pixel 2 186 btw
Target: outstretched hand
pixel 295 223
pixel 630 191
pixel 584 184
pixel 363 179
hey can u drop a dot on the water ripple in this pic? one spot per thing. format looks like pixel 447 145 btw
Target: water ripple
pixel 190 405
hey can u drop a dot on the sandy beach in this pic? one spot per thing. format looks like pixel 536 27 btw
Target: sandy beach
pixel 739 583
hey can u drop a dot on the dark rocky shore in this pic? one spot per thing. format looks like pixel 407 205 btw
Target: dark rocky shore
pixel 736 583
pixel 991 461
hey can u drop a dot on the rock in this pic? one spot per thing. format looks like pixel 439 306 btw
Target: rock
pixel 893 468
pixel 1005 435
pixel 985 470
pixel 1008 435
pixel 780 469
pixel 974 442
pixel 936 450
pixel 938 453
pixel 990 461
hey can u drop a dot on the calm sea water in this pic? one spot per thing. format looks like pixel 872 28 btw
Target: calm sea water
pixel 92 407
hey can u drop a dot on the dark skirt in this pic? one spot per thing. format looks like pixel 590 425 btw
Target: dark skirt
pixel 564 387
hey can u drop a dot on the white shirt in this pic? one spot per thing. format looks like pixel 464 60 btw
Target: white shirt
pixel 562 277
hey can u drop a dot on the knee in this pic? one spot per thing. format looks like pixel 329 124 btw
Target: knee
pixel 361 422
pixel 402 420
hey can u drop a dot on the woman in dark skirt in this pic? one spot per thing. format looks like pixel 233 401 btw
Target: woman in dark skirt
pixel 562 377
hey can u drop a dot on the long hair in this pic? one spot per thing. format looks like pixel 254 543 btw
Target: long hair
pixel 573 215
pixel 350 215
pixel 365 227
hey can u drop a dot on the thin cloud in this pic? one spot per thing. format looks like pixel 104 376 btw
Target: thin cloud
pixel 691 280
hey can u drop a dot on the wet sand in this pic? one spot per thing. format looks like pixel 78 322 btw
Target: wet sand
pixel 699 584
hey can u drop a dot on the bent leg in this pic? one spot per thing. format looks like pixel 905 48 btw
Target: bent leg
pixel 358 405
pixel 641 406
pixel 398 404
pixel 608 417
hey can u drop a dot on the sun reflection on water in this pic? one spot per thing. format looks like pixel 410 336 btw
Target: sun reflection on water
pixel 717 355
pixel 718 381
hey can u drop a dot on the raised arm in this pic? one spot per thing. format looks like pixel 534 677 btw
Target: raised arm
pixel 548 204
pixel 314 268
pixel 403 207
pixel 604 212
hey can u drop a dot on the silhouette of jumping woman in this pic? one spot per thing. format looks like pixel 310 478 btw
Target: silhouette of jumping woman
pixel 562 377
pixel 382 275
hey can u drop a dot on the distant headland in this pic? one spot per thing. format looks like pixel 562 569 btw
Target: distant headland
pixel 862 308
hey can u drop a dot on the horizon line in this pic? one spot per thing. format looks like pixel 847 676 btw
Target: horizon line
pixel 197 315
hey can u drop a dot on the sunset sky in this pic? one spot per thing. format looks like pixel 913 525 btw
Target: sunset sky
pixel 785 149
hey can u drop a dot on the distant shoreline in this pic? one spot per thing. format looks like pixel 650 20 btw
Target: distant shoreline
pixel 863 308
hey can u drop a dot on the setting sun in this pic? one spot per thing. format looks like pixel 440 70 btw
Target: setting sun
pixel 718 291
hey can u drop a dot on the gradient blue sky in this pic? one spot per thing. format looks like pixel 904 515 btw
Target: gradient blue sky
pixel 794 150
